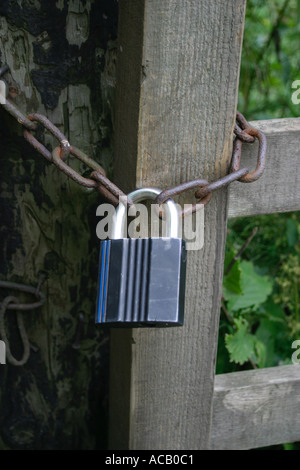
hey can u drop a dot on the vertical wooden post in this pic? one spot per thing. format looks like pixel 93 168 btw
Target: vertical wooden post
pixel 176 102
pixel 60 55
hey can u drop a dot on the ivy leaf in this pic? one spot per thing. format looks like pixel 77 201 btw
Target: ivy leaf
pixel 241 344
pixel 255 289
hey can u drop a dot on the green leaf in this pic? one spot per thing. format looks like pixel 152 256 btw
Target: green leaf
pixel 286 67
pixel 275 313
pixel 273 332
pixel 255 289
pixel 289 446
pixel 240 345
pixel 291 232
pixel 232 280
pixel 264 335
pixel 243 346
pixel 259 357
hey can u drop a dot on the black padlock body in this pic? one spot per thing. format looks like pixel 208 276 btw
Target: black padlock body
pixel 141 282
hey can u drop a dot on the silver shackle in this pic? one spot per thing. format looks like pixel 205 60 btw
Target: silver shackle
pixel 172 215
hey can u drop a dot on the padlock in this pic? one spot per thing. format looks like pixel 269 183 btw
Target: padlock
pixel 142 280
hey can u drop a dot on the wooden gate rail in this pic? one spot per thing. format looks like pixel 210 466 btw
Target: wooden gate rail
pixel 256 408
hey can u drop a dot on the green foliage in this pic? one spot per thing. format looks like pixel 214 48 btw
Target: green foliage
pixel 254 289
pixel 261 290
pixel 270 60
pixel 242 345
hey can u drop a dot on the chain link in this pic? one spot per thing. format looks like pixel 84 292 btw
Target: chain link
pixel 98 180
pixel 12 303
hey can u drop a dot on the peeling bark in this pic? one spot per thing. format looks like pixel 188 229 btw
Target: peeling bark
pixel 61 58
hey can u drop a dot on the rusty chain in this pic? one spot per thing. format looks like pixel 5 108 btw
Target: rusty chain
pixel 12 303
pixel 98 180
pixel 244 133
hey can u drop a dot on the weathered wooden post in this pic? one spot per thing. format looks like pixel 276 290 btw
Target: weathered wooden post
pixel 178 71
pixel 56 53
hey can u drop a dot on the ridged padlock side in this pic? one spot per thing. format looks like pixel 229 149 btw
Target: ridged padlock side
pixel 141 282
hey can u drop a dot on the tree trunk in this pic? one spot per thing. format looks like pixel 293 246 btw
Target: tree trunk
pixel 61 57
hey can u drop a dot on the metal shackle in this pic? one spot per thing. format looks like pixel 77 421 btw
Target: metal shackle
pixel 172 215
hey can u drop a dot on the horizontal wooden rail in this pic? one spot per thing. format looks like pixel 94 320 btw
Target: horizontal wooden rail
pixel 278 189
pixel 256 408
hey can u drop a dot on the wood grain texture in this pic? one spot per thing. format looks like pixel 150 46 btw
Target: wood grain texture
pixel 176 101
pixel 256 408
pixel 278 189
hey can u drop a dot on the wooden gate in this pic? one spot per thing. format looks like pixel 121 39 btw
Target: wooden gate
pixel 177 89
